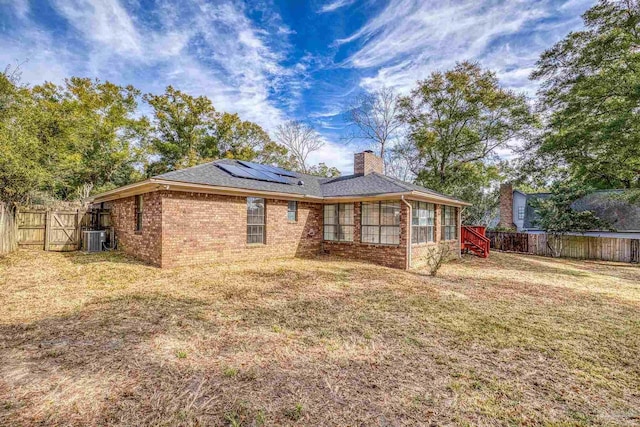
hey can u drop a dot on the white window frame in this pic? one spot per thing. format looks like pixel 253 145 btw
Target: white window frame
pixel 339 230
pixel 256 223
pixel 423 222
pixel 374 229
pixel 449 223
pixel 292 211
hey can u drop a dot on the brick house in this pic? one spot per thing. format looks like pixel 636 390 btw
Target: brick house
pixel 230 210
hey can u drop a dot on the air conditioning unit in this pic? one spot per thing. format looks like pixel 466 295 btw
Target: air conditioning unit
pixel 92 240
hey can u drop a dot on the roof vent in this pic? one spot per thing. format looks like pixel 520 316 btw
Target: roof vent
pixel 301 182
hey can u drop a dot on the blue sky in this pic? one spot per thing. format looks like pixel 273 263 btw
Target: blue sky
pixel 271 61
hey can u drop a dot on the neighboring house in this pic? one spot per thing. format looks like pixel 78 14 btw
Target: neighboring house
pixel 231 210
pixel 516 212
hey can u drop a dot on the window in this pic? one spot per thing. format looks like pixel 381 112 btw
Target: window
pixel 449 223
pixel 292 211
pixel 520 212
pixel 338 222
pixel 381 222
pixel 138 212
pixel 422 222
pixel 255 220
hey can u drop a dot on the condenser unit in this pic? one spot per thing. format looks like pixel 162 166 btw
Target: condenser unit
pixel 92 241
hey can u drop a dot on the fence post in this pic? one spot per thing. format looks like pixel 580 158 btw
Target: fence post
pixel 78 228
pixel 47 228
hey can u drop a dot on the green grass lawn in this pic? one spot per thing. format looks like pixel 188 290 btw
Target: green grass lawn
pixel 102 339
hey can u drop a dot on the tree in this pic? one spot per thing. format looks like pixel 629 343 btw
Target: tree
pixel 183 130
pixel 557 218
pixel 57 139
pixel 21 163
pixel 591 93
pixel 321 169
pixel 107 132
pixel 375 117
pixel 301 140
pixel 238 139
pixel 457 121
pixel 188 130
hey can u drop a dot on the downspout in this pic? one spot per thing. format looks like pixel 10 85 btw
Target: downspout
pixel 409 219
pixel 460 242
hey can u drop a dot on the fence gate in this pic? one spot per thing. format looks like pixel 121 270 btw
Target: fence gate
pixel 31 228
pixel 49 230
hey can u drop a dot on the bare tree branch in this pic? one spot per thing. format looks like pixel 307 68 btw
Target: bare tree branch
pixel 301 140
pixel 375 117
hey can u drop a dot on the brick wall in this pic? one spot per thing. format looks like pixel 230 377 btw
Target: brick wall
pixel 145 244
pixel 206 228
pixel 388 255
pixel 506 207
pixel 182 228
pixel 420 250
pixel 367 162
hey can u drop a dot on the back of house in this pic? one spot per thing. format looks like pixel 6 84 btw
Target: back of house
pixel 232 210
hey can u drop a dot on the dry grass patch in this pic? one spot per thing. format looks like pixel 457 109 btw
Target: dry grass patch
pixel 103 339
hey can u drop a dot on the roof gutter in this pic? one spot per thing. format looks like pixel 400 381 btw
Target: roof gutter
pixel 153 184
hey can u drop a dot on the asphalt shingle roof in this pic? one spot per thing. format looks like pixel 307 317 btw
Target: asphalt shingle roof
pixel 351 185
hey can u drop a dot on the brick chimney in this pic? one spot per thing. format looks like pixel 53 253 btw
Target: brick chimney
pixel 506 206
pixel 366 162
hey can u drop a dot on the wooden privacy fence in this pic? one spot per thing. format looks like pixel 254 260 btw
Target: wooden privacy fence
pixel 510 242
pixel 581 247
pixel 49 230
pixel 8 230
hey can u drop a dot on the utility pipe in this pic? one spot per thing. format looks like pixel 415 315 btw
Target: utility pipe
pixel 409 230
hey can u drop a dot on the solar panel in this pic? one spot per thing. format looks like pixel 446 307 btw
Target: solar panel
pixel 265 168
pixel 275 178
pixel 240 172
pixel 237 171
pixel 281 171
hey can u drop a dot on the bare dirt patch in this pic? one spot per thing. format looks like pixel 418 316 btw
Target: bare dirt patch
pixel 102 339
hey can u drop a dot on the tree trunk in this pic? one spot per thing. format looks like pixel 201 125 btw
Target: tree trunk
pixel 555 243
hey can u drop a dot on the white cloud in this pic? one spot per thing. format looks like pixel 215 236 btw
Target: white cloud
pixel 103 21
pixel 204 48
pixel 409 39
pixel 39 57
pixel 19 8
pixel 335 5
pixel 335 155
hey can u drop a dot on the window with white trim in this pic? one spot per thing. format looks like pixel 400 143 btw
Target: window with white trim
pixel 380 222
pixel 338 222
pixel 520 212
pixel 422 222
pixel 255 220
pixel 292 211
pixel 138 211
pixel 449 223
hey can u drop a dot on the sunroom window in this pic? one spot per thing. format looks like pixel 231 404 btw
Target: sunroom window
pixel 380 222
pixel 338 222
pixel 449 223
pixel 422 222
